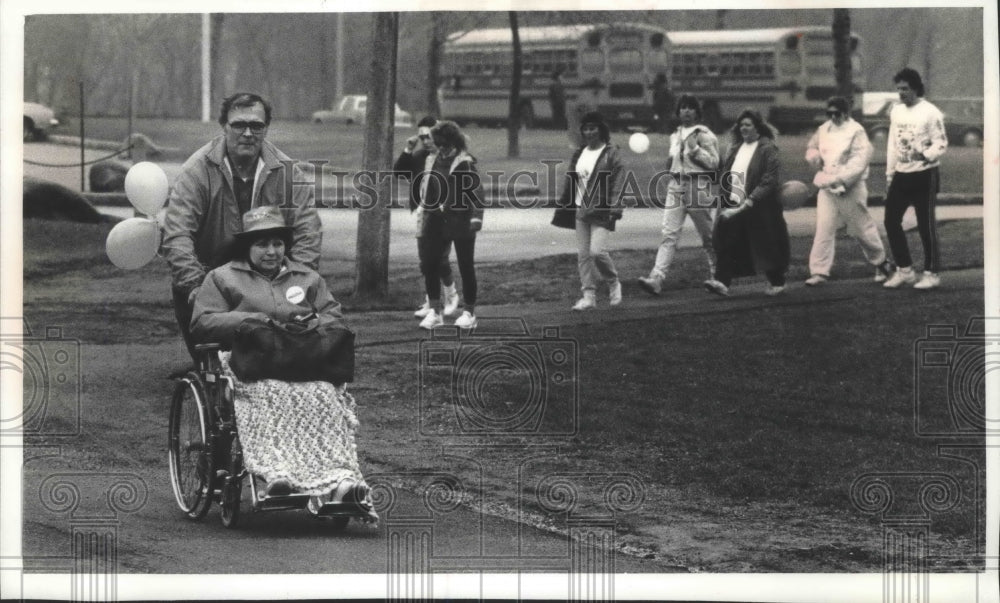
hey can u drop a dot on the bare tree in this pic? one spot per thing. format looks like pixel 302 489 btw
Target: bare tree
pixel 842 52
pixel 720 18
pixel 514 114
pixel 215 58
pixel 434 62
pixel 372 275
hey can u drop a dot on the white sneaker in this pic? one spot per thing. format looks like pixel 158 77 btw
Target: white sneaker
pixel 882 271
pixel 650 285
pixel 616 293
pixel 816 279
pixel 425 309
pixel 466 321
pixel 928 281
pixel 450 300
pixel 773 290
pixel 433 319
pixel 587 302
pixel 716 287
pixel 901 277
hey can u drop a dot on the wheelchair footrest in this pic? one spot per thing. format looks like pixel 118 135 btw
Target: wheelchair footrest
pixel 287 501
pixel 342 509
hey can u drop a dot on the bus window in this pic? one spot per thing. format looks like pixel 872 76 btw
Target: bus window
pixel 625 60
pixel 753 63
pixel 790 63
pixel 739 63
pixel 657 60
pixel 725 63
pixel 767 63
pixel 685 64
pixel 711 64
pixel 592 61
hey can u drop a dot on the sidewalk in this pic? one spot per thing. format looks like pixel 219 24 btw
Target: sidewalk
pixel 506 321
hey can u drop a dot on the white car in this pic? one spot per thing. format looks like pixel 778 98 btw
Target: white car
pixel 38 120
pixel 351 110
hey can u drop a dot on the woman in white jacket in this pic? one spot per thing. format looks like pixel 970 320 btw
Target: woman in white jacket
pixel 840 151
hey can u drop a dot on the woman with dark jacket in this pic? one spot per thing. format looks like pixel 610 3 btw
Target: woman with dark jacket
pixel 450 196
pixel 750 232
pixel 593 189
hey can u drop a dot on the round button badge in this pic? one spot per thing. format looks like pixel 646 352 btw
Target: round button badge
pixel 295 294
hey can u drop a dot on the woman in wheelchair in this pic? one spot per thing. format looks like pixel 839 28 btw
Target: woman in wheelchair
pixel 298 437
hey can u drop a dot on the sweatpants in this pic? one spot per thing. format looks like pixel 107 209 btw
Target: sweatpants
pixel 920 190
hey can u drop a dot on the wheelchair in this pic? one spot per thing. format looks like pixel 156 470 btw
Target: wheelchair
pixel 206 460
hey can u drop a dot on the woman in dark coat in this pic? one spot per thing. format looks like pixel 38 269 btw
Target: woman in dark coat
pixel 750 233
pixel 592 194
pixel 450 196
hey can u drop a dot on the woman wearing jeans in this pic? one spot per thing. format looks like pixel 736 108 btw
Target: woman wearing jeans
pixel 593 187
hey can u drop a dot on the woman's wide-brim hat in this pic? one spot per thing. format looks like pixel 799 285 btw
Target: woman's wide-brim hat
pixel 266 219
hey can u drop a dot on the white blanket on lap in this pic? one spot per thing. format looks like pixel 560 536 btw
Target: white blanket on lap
pixel 302 432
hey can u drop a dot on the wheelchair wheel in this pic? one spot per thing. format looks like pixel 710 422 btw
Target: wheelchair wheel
pixel 192 467
pixel 232 489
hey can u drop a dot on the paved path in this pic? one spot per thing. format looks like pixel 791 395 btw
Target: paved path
pixel 508 234
pixel 518 234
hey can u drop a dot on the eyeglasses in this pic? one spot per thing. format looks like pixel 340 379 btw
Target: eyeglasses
pixel 256 127
pixel 833 113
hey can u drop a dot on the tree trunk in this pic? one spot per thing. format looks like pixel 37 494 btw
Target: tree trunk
pixel 720 18
pixel 373 224
pixel 514 113
pixel 842 53
pixel 215 54
pixel 434 62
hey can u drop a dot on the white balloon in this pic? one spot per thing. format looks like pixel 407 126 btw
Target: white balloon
pixel 638 142
pixel 146 186
pixel 132 243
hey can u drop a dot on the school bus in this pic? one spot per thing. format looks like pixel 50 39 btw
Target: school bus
pixel 786 73
pixel 609 67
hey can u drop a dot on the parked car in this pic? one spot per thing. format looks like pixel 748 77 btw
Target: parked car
pixel 963 120
pixel 38 121
pixel 351 110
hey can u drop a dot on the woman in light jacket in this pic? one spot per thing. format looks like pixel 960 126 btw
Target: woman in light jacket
pixel 297 437
pixel 593 187
pixel 840 151
pixel 750 232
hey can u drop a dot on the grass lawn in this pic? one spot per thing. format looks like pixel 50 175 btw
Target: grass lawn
pixel 754 418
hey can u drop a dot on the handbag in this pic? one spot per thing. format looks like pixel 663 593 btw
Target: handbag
pixel 565 217
pixel 294 351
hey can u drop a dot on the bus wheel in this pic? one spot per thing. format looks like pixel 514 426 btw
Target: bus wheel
pixel 527 116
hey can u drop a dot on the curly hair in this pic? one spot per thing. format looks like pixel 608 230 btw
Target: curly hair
pixel 451 134
pixel 758 123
